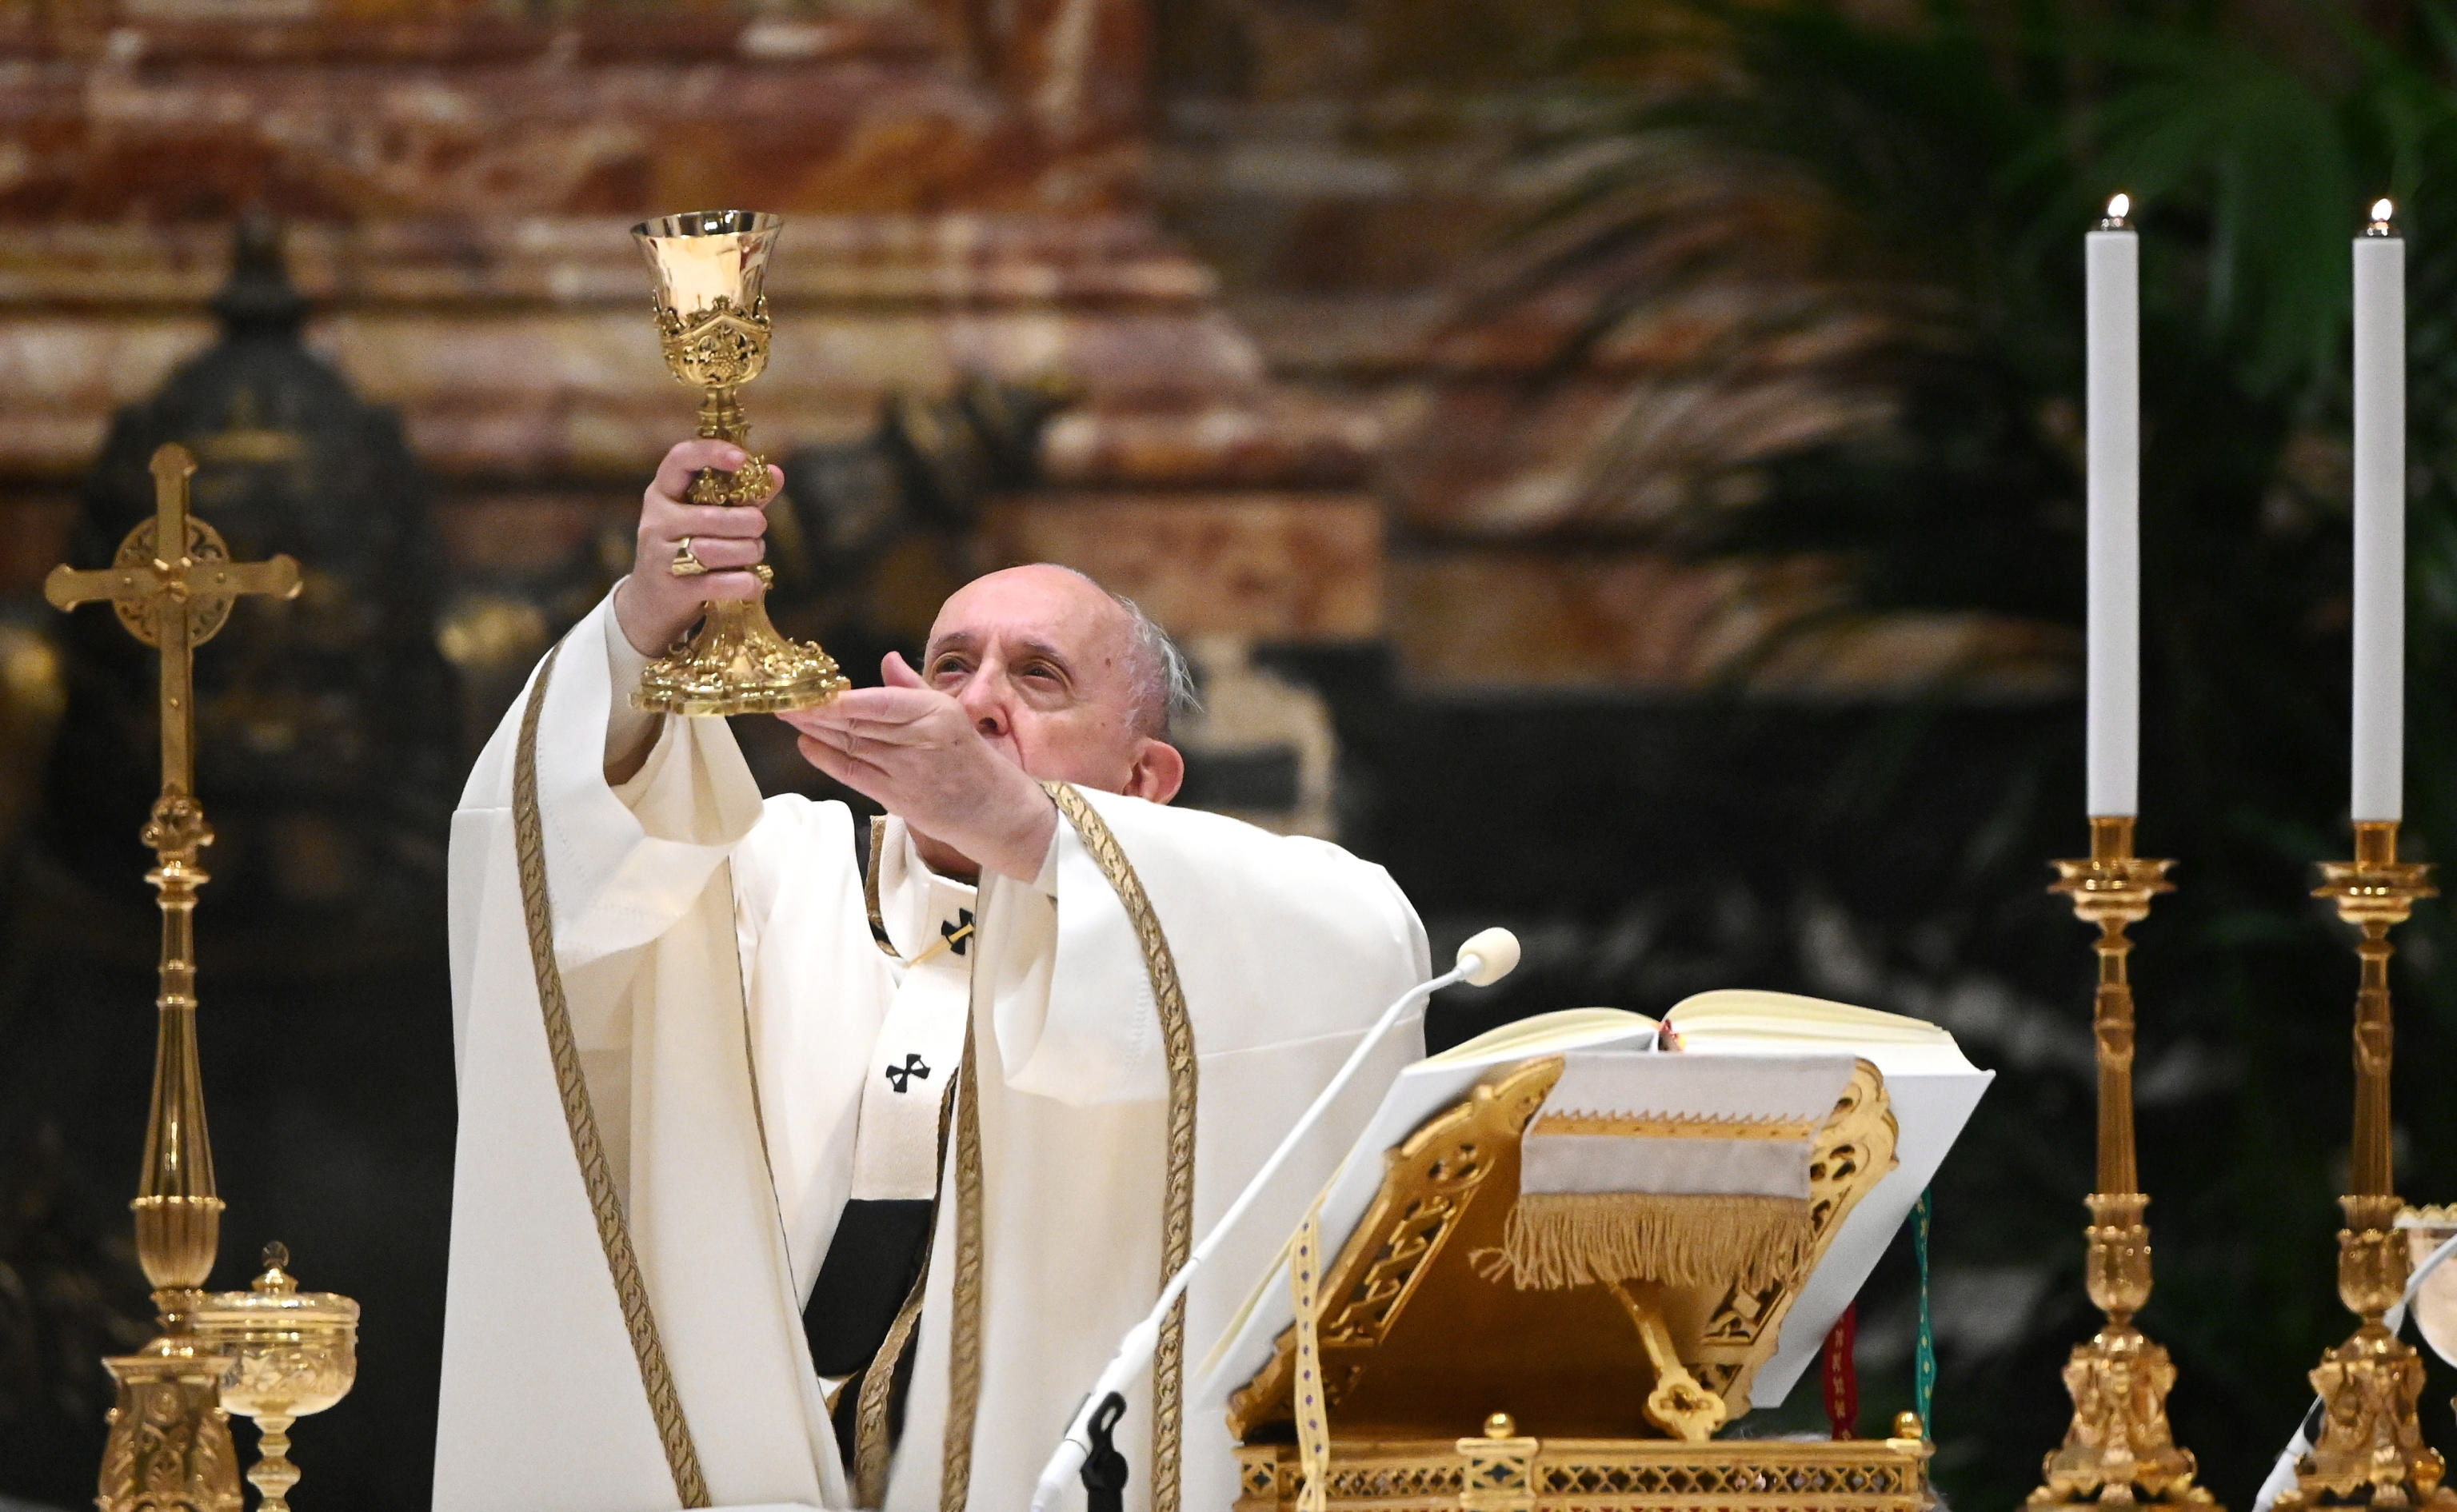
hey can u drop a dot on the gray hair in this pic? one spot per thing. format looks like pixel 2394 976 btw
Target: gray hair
pixel 1163 678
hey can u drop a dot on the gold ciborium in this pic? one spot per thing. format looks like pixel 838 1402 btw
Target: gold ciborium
pixel 292 1353
pixel 709 266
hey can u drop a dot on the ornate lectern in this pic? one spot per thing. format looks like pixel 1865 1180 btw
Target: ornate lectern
pixel 1446 1387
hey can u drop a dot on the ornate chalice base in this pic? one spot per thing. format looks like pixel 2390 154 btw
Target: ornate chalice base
pixel 736 662
pixel 292 1353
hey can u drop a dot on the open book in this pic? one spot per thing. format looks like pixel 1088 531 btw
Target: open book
pixel 1931 1086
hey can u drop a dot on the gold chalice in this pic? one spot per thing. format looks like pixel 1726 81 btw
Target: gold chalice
pixel 709 266
pixel 293 1353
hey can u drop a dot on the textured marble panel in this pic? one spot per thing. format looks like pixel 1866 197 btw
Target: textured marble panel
pixel 1496 618
pixel 1270 567
pixel 169 116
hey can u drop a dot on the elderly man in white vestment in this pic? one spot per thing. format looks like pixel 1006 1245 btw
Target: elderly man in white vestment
pixel 787 1179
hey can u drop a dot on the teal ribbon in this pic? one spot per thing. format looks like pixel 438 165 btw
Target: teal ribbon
pixel 1924 1358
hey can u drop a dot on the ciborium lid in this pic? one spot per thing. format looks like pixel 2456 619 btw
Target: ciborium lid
pixel 704 256
pixel 273 1302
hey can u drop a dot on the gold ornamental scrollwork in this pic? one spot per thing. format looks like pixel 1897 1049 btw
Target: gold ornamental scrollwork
pixel 169 1448
pixel 719 347
pixel 1457 1174
pixel 1432 1179
pixel 1854 1150
pixel 1590 1475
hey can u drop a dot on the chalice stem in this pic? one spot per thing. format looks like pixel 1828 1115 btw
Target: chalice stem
pixel 720 416
pixel 273 1475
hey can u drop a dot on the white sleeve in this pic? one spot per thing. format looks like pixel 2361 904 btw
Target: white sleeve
pixel 628 731
pixel 623 864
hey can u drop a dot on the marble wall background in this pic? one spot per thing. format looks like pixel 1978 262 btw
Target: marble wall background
pixel 1426 540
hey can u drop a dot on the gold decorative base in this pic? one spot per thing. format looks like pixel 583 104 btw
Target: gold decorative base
pixel 2119 1450
pixel 2370 1452
pixel 1502 1472
pixel 169 1449
pixel 737 663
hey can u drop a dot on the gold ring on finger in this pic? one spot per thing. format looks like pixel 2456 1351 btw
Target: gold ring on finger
pixel 686 562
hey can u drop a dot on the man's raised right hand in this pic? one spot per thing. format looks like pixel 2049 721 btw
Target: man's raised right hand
pixel 652 606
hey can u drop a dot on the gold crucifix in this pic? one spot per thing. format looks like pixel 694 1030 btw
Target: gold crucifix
pixel 172 582
pixel 175 598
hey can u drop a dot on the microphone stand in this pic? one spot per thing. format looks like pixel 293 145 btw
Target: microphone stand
pixel 1486 958
pixel 1105 1468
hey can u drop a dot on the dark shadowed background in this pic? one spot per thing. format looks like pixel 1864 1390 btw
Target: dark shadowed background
pixel 1615 462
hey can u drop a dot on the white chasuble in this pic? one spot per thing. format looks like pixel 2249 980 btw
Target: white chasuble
pixel 736 1040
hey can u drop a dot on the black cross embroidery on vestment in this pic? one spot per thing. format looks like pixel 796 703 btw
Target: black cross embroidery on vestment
pixel 959 934
pixel 912 1070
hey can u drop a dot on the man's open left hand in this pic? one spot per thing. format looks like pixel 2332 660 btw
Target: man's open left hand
pixel 913 750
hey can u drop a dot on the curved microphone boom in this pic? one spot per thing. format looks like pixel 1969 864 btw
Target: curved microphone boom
pixel 1486 958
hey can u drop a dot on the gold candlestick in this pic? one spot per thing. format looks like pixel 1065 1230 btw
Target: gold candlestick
pixel 2118 1449
pixel 2370 1451
pixel 173 584
pixel 712 317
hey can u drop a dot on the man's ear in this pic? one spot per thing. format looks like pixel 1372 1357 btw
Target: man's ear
pixel 1159 771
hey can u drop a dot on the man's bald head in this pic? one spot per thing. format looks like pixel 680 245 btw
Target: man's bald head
pixel 1161 679
pixel 1071 680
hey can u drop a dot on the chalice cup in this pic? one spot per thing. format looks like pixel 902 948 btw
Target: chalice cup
pixel 293 1353
pixel 709 266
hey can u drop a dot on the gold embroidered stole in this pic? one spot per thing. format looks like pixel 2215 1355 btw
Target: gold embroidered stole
pixel 580 1118
pixel 872 1449
pixel 964 1332
pixel 1177 1196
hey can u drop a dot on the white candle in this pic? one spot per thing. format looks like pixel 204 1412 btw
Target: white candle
pixel 2112 310
pixel 2380 520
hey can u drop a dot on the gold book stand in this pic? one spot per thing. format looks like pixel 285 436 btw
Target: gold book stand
pixel 1446 1390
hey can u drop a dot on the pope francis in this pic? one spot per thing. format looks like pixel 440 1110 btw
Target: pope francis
pixel 805 1168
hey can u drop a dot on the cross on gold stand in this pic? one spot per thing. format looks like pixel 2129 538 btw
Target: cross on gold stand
pixel 173 584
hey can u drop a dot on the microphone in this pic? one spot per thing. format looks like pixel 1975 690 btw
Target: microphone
pixel 1487 958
